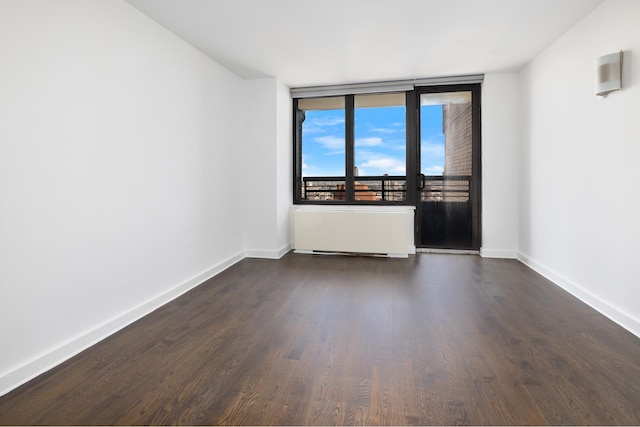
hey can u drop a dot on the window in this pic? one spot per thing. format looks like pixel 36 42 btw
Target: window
pixel 380 147
pixel 351 149
pixel 322 148
pixel 415 143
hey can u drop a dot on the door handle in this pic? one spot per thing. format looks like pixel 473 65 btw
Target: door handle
pixel 422 181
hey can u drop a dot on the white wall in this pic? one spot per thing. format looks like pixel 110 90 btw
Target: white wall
pixel 284 174
pixel 500 139
pixel 260 166
pixel 118 148
pixel 579 205
pixel 268 164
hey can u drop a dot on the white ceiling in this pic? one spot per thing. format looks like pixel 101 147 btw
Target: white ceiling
pixel 308 43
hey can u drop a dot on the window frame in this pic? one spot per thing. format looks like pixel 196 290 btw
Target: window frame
pixel 350 179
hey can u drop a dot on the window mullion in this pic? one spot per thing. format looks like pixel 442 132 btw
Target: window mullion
pixel 412 154
pixel 349 147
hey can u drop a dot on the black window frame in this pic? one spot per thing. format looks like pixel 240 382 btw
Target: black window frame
pixel 350 179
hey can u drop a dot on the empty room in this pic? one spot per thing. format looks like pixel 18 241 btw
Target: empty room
pixel 292 212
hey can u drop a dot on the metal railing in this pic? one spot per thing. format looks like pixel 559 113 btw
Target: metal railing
pixel 433 188
pixel 366 188
pixel 449 188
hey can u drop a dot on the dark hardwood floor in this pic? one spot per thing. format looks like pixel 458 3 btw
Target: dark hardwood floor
pixel 319 340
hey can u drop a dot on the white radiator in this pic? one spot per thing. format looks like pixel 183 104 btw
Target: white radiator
pixel 354 230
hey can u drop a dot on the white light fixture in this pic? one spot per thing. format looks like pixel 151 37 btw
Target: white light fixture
pixel 608 73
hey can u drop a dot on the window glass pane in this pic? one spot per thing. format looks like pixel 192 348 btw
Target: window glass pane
pixel 323 148
pixel 380 147
pixel 445 126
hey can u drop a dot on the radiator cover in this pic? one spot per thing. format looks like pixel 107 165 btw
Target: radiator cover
pixel 354 231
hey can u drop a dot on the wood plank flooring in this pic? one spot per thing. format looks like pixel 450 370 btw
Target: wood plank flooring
pixel 319 340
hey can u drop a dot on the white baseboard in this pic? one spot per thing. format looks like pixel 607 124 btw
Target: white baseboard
pixel 623 319
pixel 269 254
pixel 49 359
pixel 498 253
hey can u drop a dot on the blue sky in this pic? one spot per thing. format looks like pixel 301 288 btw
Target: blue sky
pixel 431 140
pixel 380 141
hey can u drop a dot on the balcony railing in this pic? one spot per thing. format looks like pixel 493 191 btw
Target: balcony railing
pixel 449 188
pixel 366 188
pixel 434 188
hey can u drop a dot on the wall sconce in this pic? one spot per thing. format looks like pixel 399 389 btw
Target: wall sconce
pixel 608 74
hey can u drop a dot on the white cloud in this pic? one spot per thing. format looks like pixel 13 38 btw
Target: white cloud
pixel 384 130
pixel 331 143
pixel 432 148
pixel 384 164
pixel 388 129
pixel 327 121
pixel 321 124
pixel 369 142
